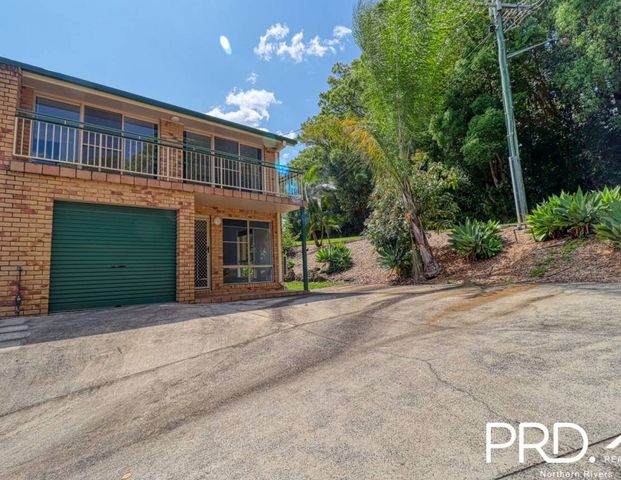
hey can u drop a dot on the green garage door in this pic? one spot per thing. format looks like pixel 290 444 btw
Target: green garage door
pixel 105 255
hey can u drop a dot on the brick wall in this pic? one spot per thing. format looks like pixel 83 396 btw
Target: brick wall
pixel 26 207
pixel 28 191
pixel 171 165
pixel 217 257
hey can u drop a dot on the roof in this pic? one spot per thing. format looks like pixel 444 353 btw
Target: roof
pixel 139 98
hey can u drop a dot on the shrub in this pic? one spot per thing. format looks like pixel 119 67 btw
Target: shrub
pixel 609 226
pixel 573 214
pixel 288 242
pixel 337 256
pixel 387 227
pixel 395 258
pixel 610 195
pixel 544 223
pixel 476 240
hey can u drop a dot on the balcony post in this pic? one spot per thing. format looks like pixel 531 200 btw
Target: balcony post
pixel 304 256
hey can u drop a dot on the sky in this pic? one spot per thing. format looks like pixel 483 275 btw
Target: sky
pixel 262 63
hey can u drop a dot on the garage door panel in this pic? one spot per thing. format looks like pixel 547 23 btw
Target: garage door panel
pixel 104 255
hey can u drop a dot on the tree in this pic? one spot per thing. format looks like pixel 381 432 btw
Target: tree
pixel 317 194
pixel 408 50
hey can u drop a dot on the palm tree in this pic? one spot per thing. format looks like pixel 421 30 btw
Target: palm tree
pixel 322 220
pixel 408 48
pixel 317 194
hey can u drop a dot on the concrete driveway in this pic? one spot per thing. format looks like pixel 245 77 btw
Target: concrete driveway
pixel 356 383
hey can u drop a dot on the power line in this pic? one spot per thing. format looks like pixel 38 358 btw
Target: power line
pixel 513 16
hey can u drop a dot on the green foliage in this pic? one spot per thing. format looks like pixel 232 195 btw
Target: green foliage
pixel 342 100
pixel 396 258
pixel 336 161
pixel 610 195
pixel 609 225
pixel 563 214
pixel 476 240
pixel 422 108
pixel 387 227
pixel 543 221
pixel 288 240
pixel 337 256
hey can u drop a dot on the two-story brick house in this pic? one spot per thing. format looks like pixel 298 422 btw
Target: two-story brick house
pixel 109 198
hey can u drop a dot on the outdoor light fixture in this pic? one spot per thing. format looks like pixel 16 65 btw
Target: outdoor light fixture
pixel 217 221
pixel 175 118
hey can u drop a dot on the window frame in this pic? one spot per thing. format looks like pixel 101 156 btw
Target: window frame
pixel 249 266
pixel 210 131
pixel 89 127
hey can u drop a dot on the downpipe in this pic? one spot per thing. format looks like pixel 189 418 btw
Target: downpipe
pixel 18 295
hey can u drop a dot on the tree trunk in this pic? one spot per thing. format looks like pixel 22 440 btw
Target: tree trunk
pixel 431 268
pixel 315 239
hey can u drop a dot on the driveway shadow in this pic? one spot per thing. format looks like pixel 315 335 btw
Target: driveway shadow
pixel 67 325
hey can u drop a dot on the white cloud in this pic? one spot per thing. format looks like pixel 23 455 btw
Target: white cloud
pixel 293 134
pixel 341 31
pixel 252 106
pixel 266 47
pixel 275 42
pixel 252 78
pixel 226 45
pixel 295 49
pixel 316 48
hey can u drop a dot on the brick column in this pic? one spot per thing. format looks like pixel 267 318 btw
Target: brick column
pixel 10 79
pixel 270 177
pixel 171 159
pixel 185 251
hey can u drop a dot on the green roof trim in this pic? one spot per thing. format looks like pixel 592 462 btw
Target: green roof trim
pixel 139 98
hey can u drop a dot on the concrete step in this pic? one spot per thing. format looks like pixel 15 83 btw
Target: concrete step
pixel 11 345
pixel 4 337
pixel 13 328
pixel 12 321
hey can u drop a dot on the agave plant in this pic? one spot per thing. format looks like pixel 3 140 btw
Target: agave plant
pixel 610 195
pixel 544 222
pixel 476 240
pixel 577 213
pixel 609 226
pixel 568 213
pixel 396 259
pixel 337 256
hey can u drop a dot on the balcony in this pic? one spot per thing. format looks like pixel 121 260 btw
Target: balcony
pixel 51 140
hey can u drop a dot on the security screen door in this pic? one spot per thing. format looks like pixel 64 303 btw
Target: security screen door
pixel 201 253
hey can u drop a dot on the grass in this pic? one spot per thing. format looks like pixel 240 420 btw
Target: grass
pixel 298 286
pixel 355 238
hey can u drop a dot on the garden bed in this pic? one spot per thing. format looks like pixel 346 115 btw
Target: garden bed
pixel 522 260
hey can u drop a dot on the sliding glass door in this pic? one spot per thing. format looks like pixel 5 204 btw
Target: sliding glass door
pixel 55 137
pixel 247 246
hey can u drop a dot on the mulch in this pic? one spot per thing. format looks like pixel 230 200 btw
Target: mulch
pixel 522 260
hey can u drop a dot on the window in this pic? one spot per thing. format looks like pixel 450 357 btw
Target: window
pixel 139 151
pixel 247 246
pixel 226 168
pixel 251 170
pixel 246 174
pixel 102 147
pixel 196 162
pixel 55 139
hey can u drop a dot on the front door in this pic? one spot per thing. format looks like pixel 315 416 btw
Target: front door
pixel 201 253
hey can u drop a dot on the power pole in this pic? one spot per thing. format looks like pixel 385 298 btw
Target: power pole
pixel 515 165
